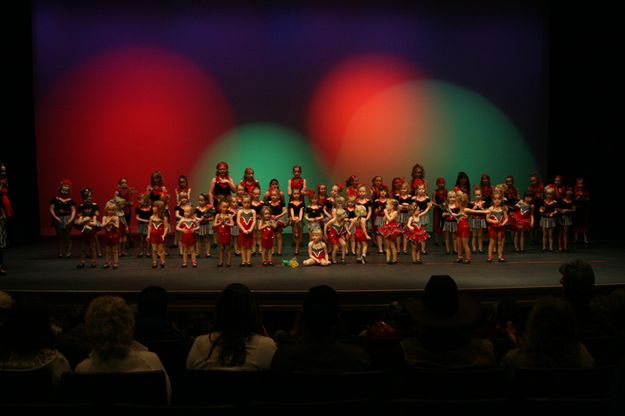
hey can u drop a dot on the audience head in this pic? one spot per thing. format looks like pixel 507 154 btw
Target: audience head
pixel 578 279
pixel 27 328
pixel 110 326
pixel 152 303
pixel 237 311
pixel 320 314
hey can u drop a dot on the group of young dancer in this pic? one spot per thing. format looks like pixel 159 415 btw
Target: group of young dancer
pixel 340 220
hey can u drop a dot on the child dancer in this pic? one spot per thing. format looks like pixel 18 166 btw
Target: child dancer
pixel 351 186
pixel 233 209
pixel 566 209
pixel 548 212
pixel 221 185
pixel 379 205
pixel 423 201
pixel 418 178
pixel 143 212
pixel 188 227
pixel 450 225
pixel 497 218
pixel 273 185
pixel 335 232
pixel 523 220
pixel 582 210
pixel 328 206
pixel 125 192
pixel 87 201
pixel 296 214
pixel 111 224
pixel 405 199
pixel 257 206
pixel 350 211
pixel 439 198
pixel 317 249
pixel 183 200
pixel 249 182
pixel 223 226
pixel 278 214
pixel 246 221
pixel 267 226
pixel 478 221
pixel 462 234
pixel 314 213
pixel 391 230
pixel 157 228
pixel 322 194
pixel 63 211
pixel 358 227
pixel 88 225
pixel 415 231
pixel 296 182
pixel 183 188
pixel 204 214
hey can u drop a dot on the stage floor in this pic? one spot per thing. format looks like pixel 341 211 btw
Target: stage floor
pixel 35 267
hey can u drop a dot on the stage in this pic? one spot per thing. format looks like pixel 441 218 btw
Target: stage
pixel 35 268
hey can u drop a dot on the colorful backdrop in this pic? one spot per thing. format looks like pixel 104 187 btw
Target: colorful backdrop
pixel 123 90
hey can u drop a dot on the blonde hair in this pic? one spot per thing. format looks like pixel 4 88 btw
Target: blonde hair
pixel 393 202
pixel 265 210
pixel 110 205
pixel 360 211
pixel 340 213
pixel 110 326
pixel 339 200
pixel 462 198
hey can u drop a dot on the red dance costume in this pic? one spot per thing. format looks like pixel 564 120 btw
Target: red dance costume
pixel 463 227
pixel 157 232
pixel 336 232
pixel 417 234
pixel 249 185
pixel 494 228
pixel 318 253
pixel 246 240
pixel 390 230
pixel 189 236
pixel 296 183
pixel 111 235
pixel 268 237
pixel 522 216
pixel 223 232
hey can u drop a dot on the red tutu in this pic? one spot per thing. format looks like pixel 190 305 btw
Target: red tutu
pixel 390 230
pixel 417 234
pixel 188 239
pixel 360 235
pixel 246 240
pixel 268 237
pixel 521 222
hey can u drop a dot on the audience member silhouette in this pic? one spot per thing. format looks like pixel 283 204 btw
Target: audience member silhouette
pixel 445 326
pixel 237 341
pixel 550 340
pixel 110 327
pixel 28 342
pixel 318 348
pixel 578 281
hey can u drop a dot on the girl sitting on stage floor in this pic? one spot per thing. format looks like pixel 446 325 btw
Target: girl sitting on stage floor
pixel 317 249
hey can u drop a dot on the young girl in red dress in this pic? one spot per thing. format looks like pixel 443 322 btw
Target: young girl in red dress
pixel 267 227
pixel 418 178
pixel 157 230
pixel 222 225
pixel 462 231
pixel 296 182
pixel 336 232
pixel 317 249
pixel 111 224
pixel 358 228
pixel 497 219
pixel 246 221
pixel 391 230
pixel 221 185
pixel 249 182
pixel 415 231
pixel 188 227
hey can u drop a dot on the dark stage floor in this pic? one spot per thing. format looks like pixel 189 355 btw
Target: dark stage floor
pixel 35 267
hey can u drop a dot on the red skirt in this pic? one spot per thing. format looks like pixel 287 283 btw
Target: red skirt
pixel 157 236
pixel 493 230
pixel 417 235
pixel 463 228
pixel 390 230
pixel 360 235
pixel 520 222
pixel 246 240
pixel 188 239
pixel 223 234
pixel 111 238
pixel 267 239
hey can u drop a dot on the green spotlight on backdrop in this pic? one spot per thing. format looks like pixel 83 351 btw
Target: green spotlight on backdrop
pixel 270 149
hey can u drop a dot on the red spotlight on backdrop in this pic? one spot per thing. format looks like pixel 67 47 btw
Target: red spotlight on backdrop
pixel 126 112
pixel 344 90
